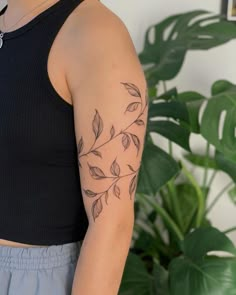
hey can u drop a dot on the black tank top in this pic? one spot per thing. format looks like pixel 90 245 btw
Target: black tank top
pixel 40 193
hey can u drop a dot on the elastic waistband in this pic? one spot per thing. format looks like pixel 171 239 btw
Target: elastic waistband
pixel 38 257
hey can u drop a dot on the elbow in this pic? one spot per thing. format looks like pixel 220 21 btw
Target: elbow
pixel 113 228
pixel 124 227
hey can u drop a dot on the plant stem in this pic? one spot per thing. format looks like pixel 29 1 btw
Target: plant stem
pixel 170 148
pixel 206 167
pixel 216 199
pixel 164 86
pixel 165 216
pixel 212 178
pixel 165 199
pixel 200 196
pixel 174 202
pixel 169 142
pixel 171 185
pixel 161 246
pixel 152 225
pixel 230 230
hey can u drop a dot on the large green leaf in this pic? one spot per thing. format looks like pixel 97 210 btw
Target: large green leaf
pixel 214 276
pixel 220 114
pixel 232 195
pixel 177 34
pixel 168 95
pixel 186 195
pixel 161 279
pixel 202 161
pixel 171 131
pixel 226 165
pixel 170 109
pixel 193 102
pixel 197 273
pixel 148 241
pixel 176 130
pixel 136 279
pixel 198 243
pixel 222 86
pixel 157 168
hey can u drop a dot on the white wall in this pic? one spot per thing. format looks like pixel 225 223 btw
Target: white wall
pixel 2 3
pixel 200 70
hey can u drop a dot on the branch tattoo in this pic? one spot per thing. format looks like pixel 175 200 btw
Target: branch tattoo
pixel 126 139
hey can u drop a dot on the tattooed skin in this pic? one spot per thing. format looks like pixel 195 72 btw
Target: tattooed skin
pixel 127 138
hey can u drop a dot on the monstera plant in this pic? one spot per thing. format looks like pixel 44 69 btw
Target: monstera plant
pixel 175 249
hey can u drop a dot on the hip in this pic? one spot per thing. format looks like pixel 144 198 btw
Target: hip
pixel 9 243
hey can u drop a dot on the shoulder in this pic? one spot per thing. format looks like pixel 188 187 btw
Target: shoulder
pixel 100 41
pixel 96 30
pixel 92 19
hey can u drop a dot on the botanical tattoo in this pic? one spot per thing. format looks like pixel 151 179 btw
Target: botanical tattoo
pixel 127 138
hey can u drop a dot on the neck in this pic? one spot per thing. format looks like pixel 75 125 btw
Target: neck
pixel 16 9
pixel 22 5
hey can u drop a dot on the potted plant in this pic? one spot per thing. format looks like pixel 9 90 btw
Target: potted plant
pixel 171 251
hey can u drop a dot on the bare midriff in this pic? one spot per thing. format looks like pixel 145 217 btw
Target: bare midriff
pixel 16 244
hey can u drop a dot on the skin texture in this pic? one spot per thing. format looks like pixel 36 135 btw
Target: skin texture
pixel 20 8
pixel 109 96
pixel 127 138
pixel 94 66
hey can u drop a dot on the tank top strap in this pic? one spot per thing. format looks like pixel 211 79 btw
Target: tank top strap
pixel 48 32
pixel 53 23
pixel 55 14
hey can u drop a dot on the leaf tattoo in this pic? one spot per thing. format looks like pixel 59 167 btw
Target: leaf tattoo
pixel 97 153
pixel 116 191
pixel 79 149
pixel 97 125
pixel 131 168
pixel 132 185
pixel 90 193
pixel 126 141
pixel 132 89
pixel 115 168
pixel 98 122
pixel 139 122
pixel 106 197
pixel 132 107
pixel 80 145
pixel 96 172
pixel 96 208
pixel 112 131
pixel 136 141
pixel 147 96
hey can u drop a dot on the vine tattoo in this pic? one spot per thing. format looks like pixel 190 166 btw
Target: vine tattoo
pixel 127 138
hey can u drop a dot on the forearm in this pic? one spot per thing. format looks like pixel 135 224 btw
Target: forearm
pixel 102 259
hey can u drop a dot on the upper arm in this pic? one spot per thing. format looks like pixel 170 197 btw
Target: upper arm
pixel 108 90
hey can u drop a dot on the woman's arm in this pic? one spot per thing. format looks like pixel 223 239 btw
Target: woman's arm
pixel 110 112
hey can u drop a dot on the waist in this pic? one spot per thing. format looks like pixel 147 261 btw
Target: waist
pixel 9 243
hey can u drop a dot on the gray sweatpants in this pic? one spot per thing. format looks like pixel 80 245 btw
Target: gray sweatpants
pixel 38 270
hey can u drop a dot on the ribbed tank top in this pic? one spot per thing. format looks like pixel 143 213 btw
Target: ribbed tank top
pixel 40 191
